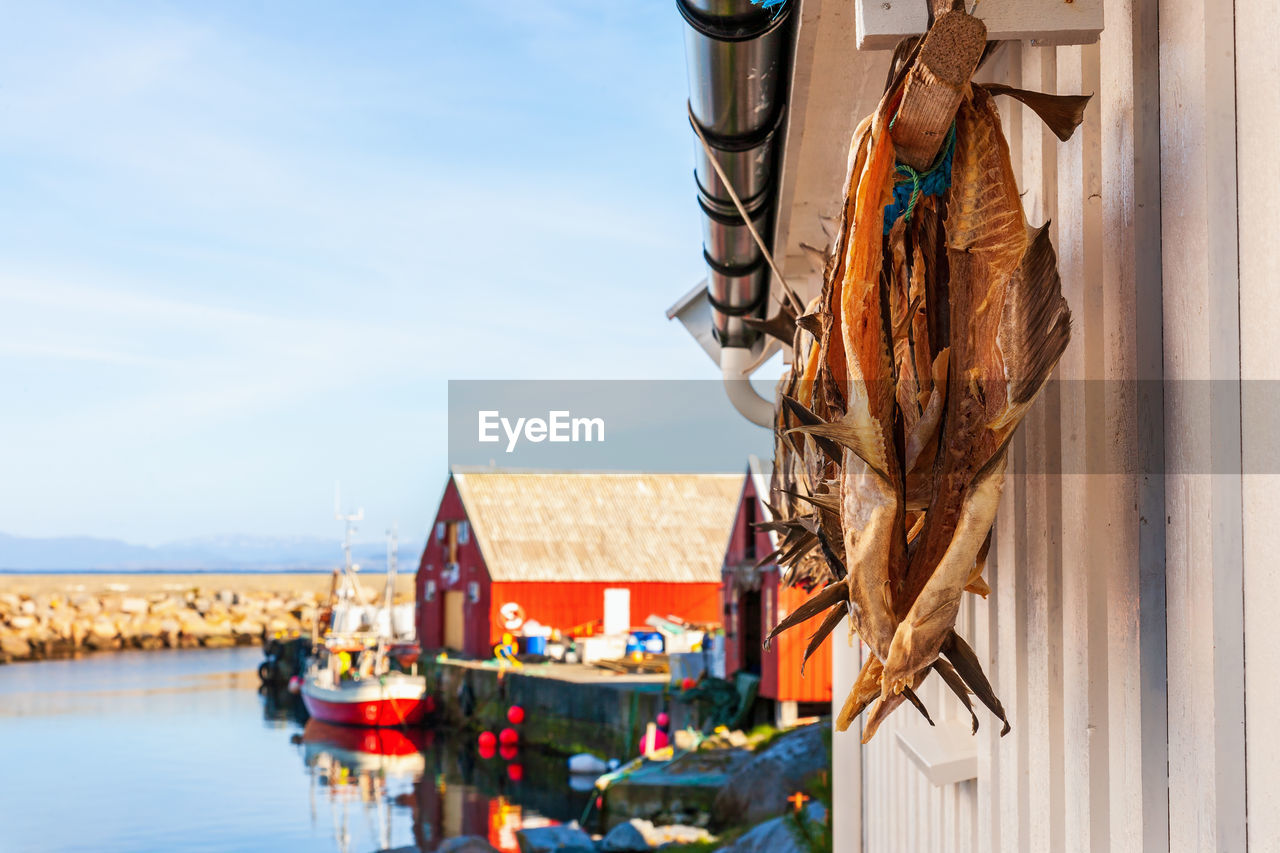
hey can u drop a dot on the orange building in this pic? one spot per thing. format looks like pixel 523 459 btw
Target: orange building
pixel 554 543
pixel 755 600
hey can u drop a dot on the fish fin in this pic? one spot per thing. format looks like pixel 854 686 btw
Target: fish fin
pixel 961 656
pixel 828 596
pixel 1062 113
pixel 957 685
pixel 834 615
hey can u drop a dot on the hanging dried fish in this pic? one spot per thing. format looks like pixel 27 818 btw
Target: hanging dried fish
pixel 940 319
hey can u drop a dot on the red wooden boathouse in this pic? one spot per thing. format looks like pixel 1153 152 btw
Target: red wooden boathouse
pixel 552 542
pixel 755 600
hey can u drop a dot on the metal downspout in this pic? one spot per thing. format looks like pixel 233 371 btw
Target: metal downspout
pixel 736 56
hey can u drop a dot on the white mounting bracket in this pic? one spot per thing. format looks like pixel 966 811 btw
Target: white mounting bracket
pixel 736 363
pixel 945 753
pixel 883 23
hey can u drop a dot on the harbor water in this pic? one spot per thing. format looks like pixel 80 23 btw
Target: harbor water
pixel 181 751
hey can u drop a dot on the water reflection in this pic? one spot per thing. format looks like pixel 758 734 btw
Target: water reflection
pixel 178 751
pixel 441 787
pixel 279 705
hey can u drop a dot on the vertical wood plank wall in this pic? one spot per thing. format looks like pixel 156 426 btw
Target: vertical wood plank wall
pixel 1257 45
pixel 1128 548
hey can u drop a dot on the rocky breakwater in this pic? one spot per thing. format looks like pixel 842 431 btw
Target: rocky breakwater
pixel 43 625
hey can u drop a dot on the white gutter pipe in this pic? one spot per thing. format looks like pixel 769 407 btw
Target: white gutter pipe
pixel 734 364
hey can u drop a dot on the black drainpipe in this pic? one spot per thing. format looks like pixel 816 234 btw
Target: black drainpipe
pixel 736 53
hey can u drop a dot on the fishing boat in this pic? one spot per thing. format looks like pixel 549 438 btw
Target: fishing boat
pixel 364 669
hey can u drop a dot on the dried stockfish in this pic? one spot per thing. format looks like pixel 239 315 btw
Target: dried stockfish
pixel 940 319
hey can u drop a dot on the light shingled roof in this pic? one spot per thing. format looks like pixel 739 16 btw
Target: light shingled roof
pixel 600 526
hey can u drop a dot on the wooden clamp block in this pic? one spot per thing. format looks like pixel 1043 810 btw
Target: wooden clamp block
pixel 934 86
pixel 881 24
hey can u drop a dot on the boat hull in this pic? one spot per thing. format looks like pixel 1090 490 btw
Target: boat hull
pixel 399 703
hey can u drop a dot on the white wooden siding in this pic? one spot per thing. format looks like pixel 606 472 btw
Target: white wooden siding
pixel 1124 600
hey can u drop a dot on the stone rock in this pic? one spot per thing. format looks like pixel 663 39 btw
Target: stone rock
pixel 247 628
pixel 103 629
pixel 759 789
pixel 165 605
pixel 87 605
pixel 773 836
pixel 13 647
pixel 133 605
pixel 192 624
pixel 466 844
pixel 22 623
pixel 554 839
pixel 626 838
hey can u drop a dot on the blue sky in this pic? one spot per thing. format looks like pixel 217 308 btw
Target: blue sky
pixel 243 246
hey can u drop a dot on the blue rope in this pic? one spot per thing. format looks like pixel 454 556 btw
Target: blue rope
pixel 770 4
pixel 910 184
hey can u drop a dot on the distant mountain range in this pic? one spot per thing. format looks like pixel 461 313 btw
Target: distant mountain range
pixel 214 553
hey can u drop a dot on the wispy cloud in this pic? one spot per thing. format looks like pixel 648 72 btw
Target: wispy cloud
pixel 243 246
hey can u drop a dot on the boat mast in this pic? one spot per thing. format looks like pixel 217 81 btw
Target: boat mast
pixel 393 558
pixel 349 526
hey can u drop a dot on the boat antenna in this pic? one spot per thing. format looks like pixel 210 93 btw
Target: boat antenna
pixel 349 526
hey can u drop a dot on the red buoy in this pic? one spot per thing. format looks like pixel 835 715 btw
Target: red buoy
pixel 515 772
pixel 509 737
pixel 664 719
pixel 508 752
pixel 515 715
pixel 687 683
pixel 487 741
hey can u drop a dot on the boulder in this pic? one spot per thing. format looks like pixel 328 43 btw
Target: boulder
pixel 13 647
pixel 554 839
pixel 165 605
pixel 626 838
pixel 247 628
pixel 773 836
pixel 466 844
pixel 132 604
pixel 88 605
pixel 103 629
pixel 760 788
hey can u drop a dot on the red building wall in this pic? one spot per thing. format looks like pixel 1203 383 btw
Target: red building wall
pixel 560 604
pixel 780 677
pixel 566 605
pixel 471 569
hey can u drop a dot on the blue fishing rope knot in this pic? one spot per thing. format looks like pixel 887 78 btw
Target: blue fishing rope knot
pixel 909 184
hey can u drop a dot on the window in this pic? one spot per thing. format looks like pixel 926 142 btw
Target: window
pixel 464 532
pixel 473 591
pixel 429 591
pixel 440 527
